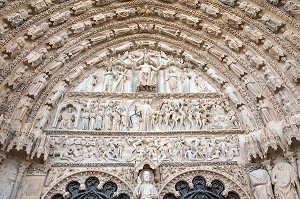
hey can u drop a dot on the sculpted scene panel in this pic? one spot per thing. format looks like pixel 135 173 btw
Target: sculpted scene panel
pixel 78 149
pixel 144 115
pixel 145 70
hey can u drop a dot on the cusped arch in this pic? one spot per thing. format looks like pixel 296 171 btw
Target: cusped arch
pixel 104 179
pixel 210 177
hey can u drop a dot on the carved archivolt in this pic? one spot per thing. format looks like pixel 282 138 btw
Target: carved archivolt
pixel 157 68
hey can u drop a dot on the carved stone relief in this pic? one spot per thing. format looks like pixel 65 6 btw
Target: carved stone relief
pixel 136 149
pixel 128 82
pixel 143 115
pixel 144 71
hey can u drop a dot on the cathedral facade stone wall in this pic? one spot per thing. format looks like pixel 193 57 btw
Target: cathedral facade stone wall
pixel 148 99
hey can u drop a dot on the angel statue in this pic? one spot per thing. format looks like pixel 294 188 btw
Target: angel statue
pixel 145 188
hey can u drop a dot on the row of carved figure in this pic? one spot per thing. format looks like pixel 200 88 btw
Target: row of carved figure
pixel 272 79
pixel 35 58
pixel 276 135
pixel 145 70
pixel 279 182
pixel 233 43
pixel 289 106
pixel 145 115
pixel 134 149
pixel 252 10
pixel 142 115
pixel 268 46
pixel 145 82
pixel 36 143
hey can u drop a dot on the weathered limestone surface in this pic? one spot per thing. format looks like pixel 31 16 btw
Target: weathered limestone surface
pixel 149 99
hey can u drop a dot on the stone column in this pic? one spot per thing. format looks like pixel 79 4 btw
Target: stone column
pixel 21 171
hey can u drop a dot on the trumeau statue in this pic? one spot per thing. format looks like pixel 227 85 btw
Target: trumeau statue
pixel 145 188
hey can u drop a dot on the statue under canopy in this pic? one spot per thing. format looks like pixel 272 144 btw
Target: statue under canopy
pixel 145 188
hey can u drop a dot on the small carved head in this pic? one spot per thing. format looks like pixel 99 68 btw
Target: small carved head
pixel 146 176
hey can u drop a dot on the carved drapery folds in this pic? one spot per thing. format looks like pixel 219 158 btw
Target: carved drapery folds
pixel 167 81
pixel 142 115
pixel 282 174
pixel 144 70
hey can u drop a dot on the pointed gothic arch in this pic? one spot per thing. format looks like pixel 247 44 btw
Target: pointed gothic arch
pixel 247 53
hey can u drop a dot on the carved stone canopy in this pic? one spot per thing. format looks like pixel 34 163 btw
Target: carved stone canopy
pixel 146 161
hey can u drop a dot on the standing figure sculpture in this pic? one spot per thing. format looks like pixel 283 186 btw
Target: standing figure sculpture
pixel 145 112
pixel 173 80
pixel 186 79
pixel 145 189
pixel 285 180
pixel 108 79
pixel 37 85
pixel 261 184
pixel 121 77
